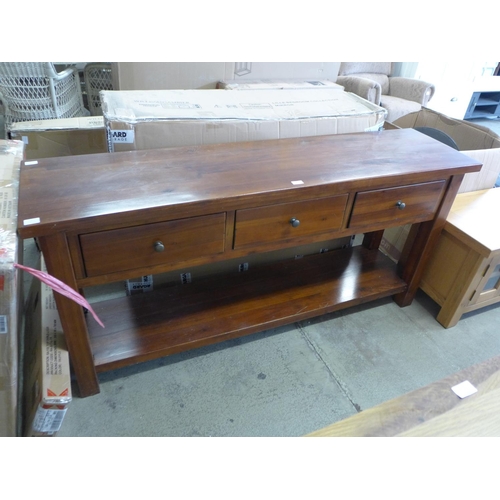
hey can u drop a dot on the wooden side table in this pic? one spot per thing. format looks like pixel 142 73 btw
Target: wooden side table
pixel 463 273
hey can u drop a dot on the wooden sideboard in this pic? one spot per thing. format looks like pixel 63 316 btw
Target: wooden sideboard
pixel 108 217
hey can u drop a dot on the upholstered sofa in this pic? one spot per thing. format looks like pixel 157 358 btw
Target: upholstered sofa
pixel 373 81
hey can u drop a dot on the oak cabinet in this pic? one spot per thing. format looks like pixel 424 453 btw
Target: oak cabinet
pixel 463 273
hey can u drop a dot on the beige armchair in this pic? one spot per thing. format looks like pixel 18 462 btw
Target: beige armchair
pixel 373 81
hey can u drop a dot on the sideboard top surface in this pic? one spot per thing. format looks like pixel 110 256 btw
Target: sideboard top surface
pixel 64 191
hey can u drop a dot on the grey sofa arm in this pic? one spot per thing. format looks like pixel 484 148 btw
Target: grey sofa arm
pixel 365 88
pixel 411 89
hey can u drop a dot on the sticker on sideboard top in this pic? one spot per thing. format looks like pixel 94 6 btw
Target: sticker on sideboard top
pixel 29 222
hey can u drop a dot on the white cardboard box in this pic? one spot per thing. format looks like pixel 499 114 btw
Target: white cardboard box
pixel 11 155
pixel 47 378
pixel 61 137
pixel 137 120
pixel 278 85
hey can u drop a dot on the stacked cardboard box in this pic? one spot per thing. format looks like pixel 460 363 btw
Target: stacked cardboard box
pixel 278 84
pixel 61 137
pixel 137 120
pixel 473 140
pixel 11 155
pixel 47 379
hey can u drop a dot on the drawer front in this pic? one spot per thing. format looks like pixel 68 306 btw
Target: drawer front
pixel 153 244
pixel 396 206
pixel 286 221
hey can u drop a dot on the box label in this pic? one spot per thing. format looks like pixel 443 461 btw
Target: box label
pixel 185 278
pixel 122 136
pixel 48 420
pixel 3 324
pixel 6 205
pixel 145 284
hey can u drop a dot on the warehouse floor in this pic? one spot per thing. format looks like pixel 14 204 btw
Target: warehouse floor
pixel 287 381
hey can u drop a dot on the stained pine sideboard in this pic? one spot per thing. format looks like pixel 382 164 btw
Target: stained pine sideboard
pixel 103 218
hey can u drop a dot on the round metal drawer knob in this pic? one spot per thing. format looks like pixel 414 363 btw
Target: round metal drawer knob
pixel 401 205
pixel 159 246
pixel 295 222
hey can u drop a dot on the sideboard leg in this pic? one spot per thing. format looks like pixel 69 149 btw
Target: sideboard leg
pixel 58 260
pixel 372 240
pixel 420 244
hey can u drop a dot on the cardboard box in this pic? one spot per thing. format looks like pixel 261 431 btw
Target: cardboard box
pixel 61 137
pixel 137 120
pixel 390 126
pixel 278 85
pixel 11 155
pixel 473 140
pixel 47 379
pixel 205 75
pixel 393 241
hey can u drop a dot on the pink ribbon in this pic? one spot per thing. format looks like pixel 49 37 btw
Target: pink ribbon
pixel 60 287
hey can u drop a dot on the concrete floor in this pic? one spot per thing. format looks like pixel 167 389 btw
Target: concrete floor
pixel 287 381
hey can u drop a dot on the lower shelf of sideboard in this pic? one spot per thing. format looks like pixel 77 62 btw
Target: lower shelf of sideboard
pixel 174 319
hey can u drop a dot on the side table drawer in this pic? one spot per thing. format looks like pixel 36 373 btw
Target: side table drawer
pixel 153 244
pixel 285 221
pixel 396 206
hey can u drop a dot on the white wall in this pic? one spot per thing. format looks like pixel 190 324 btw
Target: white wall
pixel 455 82
pixel 406 69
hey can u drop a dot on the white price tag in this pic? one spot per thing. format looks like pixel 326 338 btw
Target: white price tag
pixel 29 222
pixel 464 389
